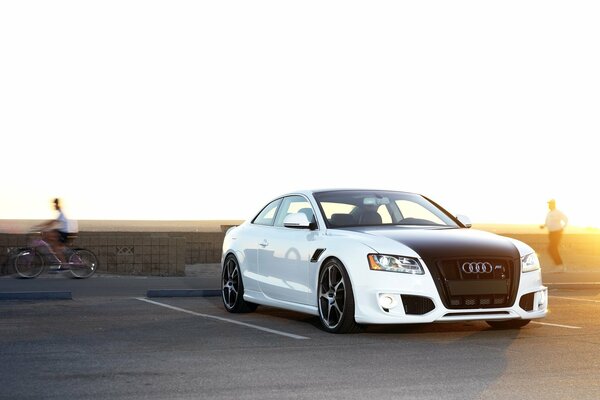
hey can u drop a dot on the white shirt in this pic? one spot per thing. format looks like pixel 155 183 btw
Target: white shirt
pixel 556 220
pixel 66 225
pixel 63 223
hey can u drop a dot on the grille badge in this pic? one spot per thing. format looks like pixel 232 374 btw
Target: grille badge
pixel 478 267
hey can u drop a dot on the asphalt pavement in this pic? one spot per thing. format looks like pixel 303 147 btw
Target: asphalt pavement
pixel 134 348
pixel 110 341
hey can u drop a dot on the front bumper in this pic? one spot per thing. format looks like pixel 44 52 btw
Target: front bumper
pixel 416 300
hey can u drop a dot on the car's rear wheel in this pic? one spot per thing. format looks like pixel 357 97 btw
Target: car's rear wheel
pixel 336 299
pixel 508 324
pixel 232 288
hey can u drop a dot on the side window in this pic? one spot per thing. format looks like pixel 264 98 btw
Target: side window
pixel 336 208
pixel 267 215
pixel 294 204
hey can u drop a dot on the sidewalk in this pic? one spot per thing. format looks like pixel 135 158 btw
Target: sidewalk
pixel 203 270
pixel 572 280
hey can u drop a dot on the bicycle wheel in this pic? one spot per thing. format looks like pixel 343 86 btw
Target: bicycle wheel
pixel 28 263
pixel 83 263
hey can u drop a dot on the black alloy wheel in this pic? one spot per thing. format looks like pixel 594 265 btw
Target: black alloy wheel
pixel 336 299
pixel 232 288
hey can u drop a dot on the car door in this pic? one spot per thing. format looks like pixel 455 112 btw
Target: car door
pixel 259 228
pixel 284 255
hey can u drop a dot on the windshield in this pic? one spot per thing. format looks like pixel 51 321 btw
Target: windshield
pixel 345 208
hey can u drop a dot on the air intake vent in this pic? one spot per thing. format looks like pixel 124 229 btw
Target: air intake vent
pixel 316 255
pixel 417 305
pixel 526 302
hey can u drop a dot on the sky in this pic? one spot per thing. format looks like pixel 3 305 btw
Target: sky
pixel 190 110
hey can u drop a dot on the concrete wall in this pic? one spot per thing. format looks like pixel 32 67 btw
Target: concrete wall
pixel 203 247
pixel 167 253
pixel 137 253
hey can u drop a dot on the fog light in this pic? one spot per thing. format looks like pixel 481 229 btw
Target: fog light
pixel 541 299
pixel 388 301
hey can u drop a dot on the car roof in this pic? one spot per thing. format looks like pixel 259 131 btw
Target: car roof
pixel 312 191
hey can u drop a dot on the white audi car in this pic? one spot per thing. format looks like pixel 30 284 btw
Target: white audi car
pixel 356 257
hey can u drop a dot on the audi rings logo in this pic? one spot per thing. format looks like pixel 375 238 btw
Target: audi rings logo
pixel 477 268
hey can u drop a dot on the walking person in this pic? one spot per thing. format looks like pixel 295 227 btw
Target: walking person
pixel 556 221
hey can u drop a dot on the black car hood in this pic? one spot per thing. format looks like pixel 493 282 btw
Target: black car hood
pixel 446 243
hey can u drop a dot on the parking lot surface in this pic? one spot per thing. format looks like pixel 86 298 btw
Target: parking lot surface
pixel 110 342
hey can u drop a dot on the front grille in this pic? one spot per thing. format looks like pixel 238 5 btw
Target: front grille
pixel 453 269
pixel 476 282
pixel 417 305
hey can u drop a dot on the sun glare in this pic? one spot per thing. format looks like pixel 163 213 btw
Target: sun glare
pixel 207 110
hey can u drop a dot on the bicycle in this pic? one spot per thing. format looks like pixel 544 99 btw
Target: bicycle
pixel 32 260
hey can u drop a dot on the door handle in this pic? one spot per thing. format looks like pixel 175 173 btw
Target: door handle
pixel 264 243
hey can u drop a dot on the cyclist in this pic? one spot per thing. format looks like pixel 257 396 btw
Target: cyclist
pixel 58 232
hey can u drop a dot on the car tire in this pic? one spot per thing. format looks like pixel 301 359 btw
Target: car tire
pixel 232 288
pixel 336 299
pixel 508 324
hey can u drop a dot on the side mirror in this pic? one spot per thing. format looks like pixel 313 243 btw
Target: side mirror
pixel 298 221
pixel 463 219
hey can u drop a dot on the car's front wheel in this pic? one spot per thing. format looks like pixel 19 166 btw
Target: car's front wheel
pixel 232 288
pixel 336 299
pixel 508 324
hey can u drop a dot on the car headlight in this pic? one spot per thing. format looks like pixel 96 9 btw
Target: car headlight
pixel 530 263
pixel 383 262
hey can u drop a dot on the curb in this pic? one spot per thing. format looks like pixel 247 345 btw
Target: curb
pixel 36 296
pixel 183 293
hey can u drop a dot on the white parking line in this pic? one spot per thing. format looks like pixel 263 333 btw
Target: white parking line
pixel 573 298
pixel 232 321
pixel 557 325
